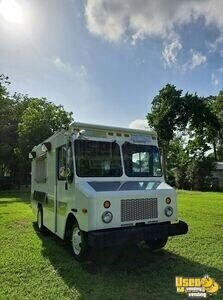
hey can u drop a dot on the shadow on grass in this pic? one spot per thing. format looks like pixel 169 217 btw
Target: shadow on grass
pixel 131 273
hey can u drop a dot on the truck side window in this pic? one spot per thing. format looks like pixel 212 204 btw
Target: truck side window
pixel 61 163
pixel 40 171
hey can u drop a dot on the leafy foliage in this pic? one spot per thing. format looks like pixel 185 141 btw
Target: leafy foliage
pixel 178 161
pixel 217 107
pixel 39 121
pixel 199 173
pixel 188 127
pixel 165 117
pixel 7 129
pixel 25 122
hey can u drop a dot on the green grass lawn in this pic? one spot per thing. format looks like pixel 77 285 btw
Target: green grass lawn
pixel 34 266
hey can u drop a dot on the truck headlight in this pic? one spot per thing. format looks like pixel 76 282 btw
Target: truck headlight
pixel 107 217
pixel 168 211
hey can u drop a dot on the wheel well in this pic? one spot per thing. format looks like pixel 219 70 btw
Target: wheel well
pixel 70 221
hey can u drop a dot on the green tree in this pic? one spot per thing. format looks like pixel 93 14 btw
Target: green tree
pixel 217 106
pixel 6 127
pixel 165 117
pixel 25 122
pixel 39 121
pixel 199 173
pixel 203 125
pixel 202 129
pixel 178 161
pixel 192 116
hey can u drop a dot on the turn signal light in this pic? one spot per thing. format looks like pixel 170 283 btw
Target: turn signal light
pixel 168 200
pixel 107 204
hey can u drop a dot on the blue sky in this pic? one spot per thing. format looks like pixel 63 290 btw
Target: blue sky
pixel 105 60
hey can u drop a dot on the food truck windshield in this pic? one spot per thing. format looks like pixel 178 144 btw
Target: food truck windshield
pixel 103 159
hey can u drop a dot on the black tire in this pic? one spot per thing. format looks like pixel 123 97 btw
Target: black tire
pixel 40 219
pixel 78 243
pixel 157 244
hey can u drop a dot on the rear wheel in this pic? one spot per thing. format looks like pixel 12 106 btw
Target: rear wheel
pixel 78 243
pixel 40 219
pixel 156 244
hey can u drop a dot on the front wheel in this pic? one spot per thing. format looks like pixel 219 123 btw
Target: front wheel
pixel 156 244
pixel 78 243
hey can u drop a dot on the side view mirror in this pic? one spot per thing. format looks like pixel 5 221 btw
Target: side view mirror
pixel 66 173
pixel 62 172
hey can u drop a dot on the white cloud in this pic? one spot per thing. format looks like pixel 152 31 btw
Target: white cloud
pixel 136 20
pixel 137 36
pixel 214 79
pixel 66 68
pixel 116 19
pixel 62 66
pixel 214 46
pixel 171 51
pixel 104 19
pixel 196 60
pixel 139 124
pixel 81 73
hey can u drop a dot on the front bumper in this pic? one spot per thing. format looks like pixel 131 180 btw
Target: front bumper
pixel 119 236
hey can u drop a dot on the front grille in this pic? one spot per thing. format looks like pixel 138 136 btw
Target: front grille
pixel 138 209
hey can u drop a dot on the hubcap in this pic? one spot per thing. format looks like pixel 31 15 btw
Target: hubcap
pixel 39 219
pixel 76 240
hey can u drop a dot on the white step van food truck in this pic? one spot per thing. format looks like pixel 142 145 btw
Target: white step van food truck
pixel 100 186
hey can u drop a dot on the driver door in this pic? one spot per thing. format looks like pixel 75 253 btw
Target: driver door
pixel 63 186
